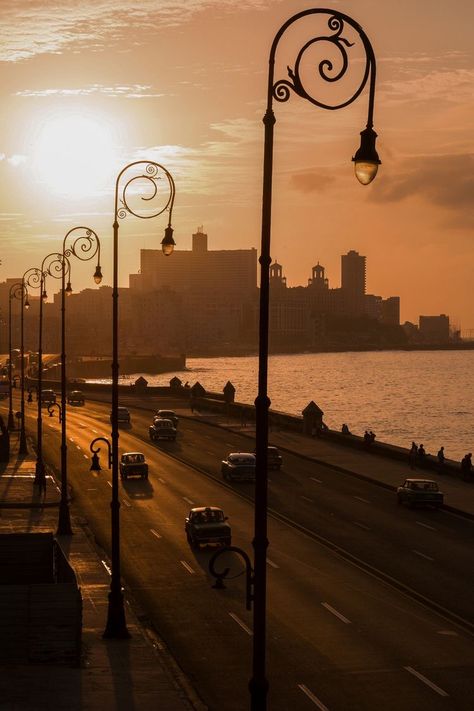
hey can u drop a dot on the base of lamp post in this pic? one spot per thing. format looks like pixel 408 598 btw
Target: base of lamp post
pixel 40 478
pixel 11 422
pixel 64 520
pixel 23 449
pixel 116 627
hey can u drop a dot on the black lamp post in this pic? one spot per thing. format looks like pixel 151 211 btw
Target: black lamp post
pixel 16 292
pixel 51 265
pixel 135 174
pixel 85 246
pixel 366 163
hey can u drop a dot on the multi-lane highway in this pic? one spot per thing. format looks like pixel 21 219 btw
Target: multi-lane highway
pixel 339 635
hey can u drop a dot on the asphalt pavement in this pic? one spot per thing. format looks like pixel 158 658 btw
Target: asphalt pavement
pixel 140 673
pixel 134 674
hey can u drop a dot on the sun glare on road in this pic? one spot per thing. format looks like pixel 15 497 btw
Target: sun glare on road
pixel 74 154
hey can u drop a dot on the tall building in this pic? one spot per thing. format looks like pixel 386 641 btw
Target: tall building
pixel 353 281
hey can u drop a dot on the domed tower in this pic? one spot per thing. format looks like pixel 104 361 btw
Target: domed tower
pixel 277 280
pixel 318 280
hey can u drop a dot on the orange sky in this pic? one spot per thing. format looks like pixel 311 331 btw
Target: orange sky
pixel 88 87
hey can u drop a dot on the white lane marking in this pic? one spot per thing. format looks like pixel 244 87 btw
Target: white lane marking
pixel 361 525
pixel 448 633
pixel 77 447
pixel 94 431
pixel 127 503
pixel 187 566
pixel 107 567
pixel 306 498
pixel 426 681
pixel 241 624
pixel 312 697
pixel 161 480
pixel 425 525
pixel 155 533
pixel 109 483
pixel 359 498
pixel 422 555
pixel 91 489
pixel 272 564
pixel 336 613
pixel 71 439
pixel 86 456
pixel 188 500
pixel 318 481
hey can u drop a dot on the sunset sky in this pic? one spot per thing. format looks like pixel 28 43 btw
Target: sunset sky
pixel 88 86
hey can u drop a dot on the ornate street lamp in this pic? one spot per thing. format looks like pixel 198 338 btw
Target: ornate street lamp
pixel 366 162
pixel 52 265
pixel 129 181
pixel 17 291
pixel 85 246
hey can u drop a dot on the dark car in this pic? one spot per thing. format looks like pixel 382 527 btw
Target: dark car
pixel 162 429
pixel 422 492
pixel 133 464
pixel 48 397
pixel 168 415
pixel 207 525
pixel 76 397
pixel 274 458
pixel 123 416
pixel 239 466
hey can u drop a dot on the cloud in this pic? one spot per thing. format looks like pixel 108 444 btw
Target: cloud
pixel 445 181
pixel 311 182
pixel 134 91
pixel 33 27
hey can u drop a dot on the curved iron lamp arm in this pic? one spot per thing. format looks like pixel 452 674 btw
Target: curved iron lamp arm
pixel 96 450
pixel 51 407
pixel 220 576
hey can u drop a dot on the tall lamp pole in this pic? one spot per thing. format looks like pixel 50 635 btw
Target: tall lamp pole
pixel 134 175
pixel 85 246
pixel 366 164
pixel 16 292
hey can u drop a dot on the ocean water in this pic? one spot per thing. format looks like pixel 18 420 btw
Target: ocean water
pixel 425 396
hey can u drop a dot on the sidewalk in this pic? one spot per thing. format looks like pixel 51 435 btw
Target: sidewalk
pixel 459 494
pixel 136 674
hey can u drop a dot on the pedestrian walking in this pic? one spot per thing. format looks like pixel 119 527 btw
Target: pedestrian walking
pixel 441 457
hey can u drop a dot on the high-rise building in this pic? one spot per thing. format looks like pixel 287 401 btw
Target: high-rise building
pixel 353 281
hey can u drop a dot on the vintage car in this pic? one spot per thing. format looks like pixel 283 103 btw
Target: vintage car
pixel 75 397
pixel 123 416
pixel 48 397
pixel 420 492
pixel 133 464
pixel 239 466
pixel 274 458
pixel 162 429
pixel 168 415
pixel 207 525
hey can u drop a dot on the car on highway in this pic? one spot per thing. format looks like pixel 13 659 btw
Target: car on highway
pixel 48 397
pixel 133 464
pixel 123 416
pixel 239 466
pixel 76 397
pixel 274 458
pixel 420 492
pixel 168 415
pixel 162 429
pixel 207 524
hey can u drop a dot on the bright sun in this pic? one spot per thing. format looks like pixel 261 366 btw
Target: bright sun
pixel 74 154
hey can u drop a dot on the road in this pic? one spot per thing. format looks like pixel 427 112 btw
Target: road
pixel 337 637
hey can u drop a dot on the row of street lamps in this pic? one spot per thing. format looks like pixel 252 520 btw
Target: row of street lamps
pixel 83 243
pixel 366 162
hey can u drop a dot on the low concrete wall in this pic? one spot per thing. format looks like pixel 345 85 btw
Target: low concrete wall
pixel 40 602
